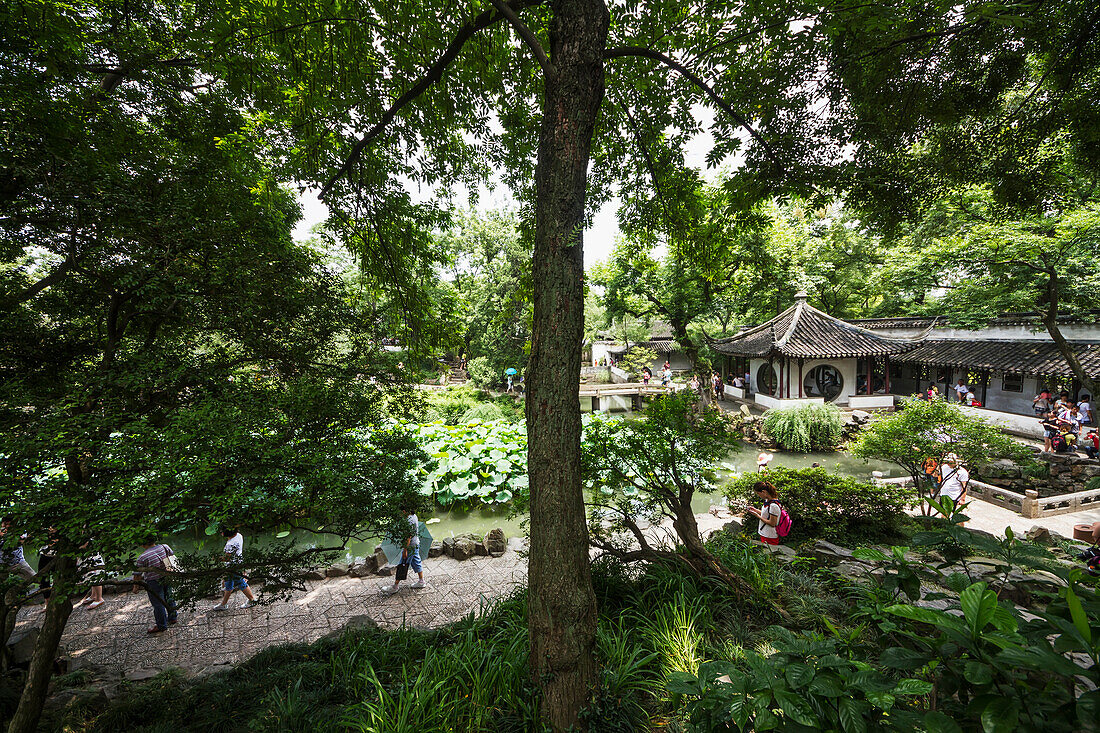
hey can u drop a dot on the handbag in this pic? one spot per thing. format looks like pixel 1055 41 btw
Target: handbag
pixel 402 571
pixel 171 564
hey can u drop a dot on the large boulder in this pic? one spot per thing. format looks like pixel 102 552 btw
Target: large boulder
pixel 21 645
pixel 449 546
pixel 337 570
pixel 1038 534
pixel 464 548
pixel 314 574
pixel 435 550
pixel 780 552
pixel 734 526
pixel 496 543
pixel 363 567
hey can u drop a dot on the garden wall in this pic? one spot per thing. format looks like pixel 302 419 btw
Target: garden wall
pixel 1056 474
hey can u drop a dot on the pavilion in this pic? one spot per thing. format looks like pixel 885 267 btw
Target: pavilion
pixel 805 356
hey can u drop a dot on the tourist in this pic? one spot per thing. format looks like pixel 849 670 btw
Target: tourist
pixel 91 569
pixel 666 375
pixel 763 460
pixel 1061 403
pixel 646 375
pixel 748 382
pixel 233 554
pixel 11 557
pixel 933 392
pixel 509 379
pixel 739 382
pixel 954 480
pixel 666 366
pixel 154 557
pixel 972 400
pixel 409 556
pixel 1050 429
pixel 694 383
pixel 1041 404
pixel 769 513
pixel 1069 419
pixel 1091 444
pixel 1085 408
pixel 961 391
pixel 716 383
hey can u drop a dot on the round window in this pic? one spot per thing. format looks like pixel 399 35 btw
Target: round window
pixel 823 381
pixel 766 379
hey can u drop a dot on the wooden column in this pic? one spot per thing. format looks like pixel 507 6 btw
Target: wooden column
pixel 800 362
pixel 886 379
pixel 985 387
pixel 870 372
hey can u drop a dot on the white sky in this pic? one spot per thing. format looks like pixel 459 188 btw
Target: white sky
pixel 599 239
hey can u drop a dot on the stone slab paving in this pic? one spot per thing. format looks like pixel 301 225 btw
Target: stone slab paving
pixel 113 636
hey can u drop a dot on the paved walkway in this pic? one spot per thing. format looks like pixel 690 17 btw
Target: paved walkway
pixel 113 636
pixel 992 518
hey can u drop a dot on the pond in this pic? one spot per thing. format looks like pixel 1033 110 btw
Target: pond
pixel 481 519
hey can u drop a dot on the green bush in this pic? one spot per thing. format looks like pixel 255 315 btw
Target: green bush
pixel 804 429
pixel 479 462
pixel 830 506
pixel 482 373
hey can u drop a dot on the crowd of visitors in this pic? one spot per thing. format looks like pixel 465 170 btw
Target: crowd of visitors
pixel 1068 425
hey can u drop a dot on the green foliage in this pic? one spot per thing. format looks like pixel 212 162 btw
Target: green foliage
pixel 633 361
pixel 458 405
pixel 931 429
pixel 806 683
pixel 649 469
pixel 806 428
pixel 480 462
pixel 483 373
pixel 830 506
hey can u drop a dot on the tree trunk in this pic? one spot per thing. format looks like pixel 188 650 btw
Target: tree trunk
pixel 561 601
pixel 58 608
pixel 1050 321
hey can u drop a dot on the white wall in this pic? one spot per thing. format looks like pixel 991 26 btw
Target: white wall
pixel 776 404
pixel 846 367
pixel 1011 422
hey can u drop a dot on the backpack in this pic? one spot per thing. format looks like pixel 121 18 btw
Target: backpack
pixel 783 526
pixel 1058 443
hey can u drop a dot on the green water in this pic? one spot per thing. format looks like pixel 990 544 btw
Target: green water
pixel 480 520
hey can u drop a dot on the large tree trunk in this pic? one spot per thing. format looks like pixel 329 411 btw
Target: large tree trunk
pixel 561 602
pixel 1050 321
pixel 33 698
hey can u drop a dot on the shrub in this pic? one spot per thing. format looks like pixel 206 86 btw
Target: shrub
pixel 806 428
pixel 482 373
pixel 830 506
pixel 637 359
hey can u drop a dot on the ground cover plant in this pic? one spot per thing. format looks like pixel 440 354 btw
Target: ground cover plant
pixel 828 505
pixel 806 428
pixel 477 462
pixel 456 405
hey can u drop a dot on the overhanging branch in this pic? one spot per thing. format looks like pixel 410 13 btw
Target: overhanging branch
pixel 435 73
pixel 527 36
pixel 626 51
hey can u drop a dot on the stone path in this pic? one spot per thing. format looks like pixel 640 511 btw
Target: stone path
pixel 992 518
pixel 113 636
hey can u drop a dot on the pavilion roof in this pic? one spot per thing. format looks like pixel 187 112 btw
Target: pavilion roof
pixel 803 331
pixel 1034 357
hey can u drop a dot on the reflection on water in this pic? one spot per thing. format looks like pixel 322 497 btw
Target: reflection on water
pixel 482 519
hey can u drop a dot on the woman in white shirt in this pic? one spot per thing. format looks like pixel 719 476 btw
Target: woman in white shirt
pixel 954 479
pixel 767 514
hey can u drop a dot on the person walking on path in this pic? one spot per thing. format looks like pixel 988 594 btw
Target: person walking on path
pixel 769 513
pixel 954 480
pixel 154 558
pixel 92 568
pixel 11 554
pixel 647 375
pixel 1041 404
pixel 234 553
pixel 410 557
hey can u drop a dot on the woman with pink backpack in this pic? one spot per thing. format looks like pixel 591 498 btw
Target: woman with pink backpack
pixel 774 520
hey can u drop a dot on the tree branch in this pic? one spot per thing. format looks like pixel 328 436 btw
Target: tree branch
pixel 435 73
pixel 527 36
pixel 624 51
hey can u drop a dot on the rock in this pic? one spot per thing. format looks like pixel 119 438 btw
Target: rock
pixel 517 544
pixel 480 549
pixel 495 542
pixel 1038 534
pixel 314 574
pixel 380 559
pixel 435 550
pixel 828 553
pixel 88 700
pixel 860 416
pixel 338 570
pixel 363 568
pixel 857 570
pixel 464 548
pixel 212 670
pixel 385 570
pixel 780 552
pixel 22 644
pixel 141 675
pixel 734 526
pixel 449 546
